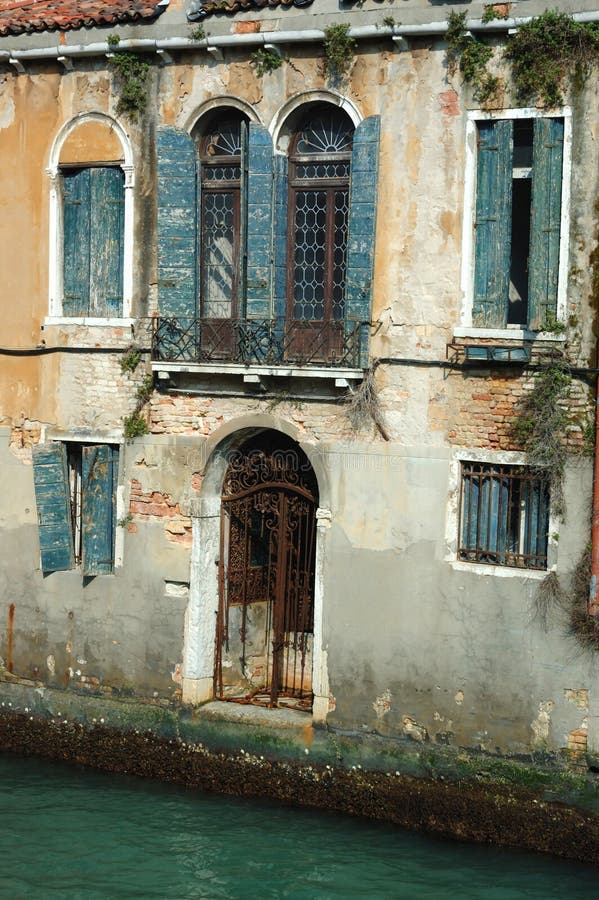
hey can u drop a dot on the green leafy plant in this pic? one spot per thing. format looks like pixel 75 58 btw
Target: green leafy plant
pixel 132 71
pixel 540 428
pixel 125 521
pixel 471 57
pixel 389 22
pixel 496 11
pixel 144 390
pixel 130 359
pixel 113 40
pixel 553 324
pixel 198 33
pixel 546 50
pixel 134 426
pixel 339 51
pixel 266 61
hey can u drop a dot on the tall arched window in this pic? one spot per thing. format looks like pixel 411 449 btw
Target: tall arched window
pixel 222 152
pixel 319 177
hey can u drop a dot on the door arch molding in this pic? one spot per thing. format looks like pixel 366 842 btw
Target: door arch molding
pixel 201 614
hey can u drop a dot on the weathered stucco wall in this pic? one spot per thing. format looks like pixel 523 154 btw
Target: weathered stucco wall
pixel 415 644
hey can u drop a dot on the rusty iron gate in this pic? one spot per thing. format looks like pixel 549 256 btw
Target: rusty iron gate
pixel 266 577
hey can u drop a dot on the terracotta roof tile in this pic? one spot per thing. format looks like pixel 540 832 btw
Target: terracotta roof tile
pixel 201 8
pixel 53 15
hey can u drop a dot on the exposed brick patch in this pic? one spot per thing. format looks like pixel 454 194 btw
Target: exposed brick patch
pixel 246 27
pixel 449 103
pixel 23 436
pixel 149 505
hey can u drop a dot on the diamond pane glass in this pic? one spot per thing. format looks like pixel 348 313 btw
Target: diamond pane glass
pixel 217 263
pixel 221 173
pixel 340 252
pixel 323 170
pixel 309 261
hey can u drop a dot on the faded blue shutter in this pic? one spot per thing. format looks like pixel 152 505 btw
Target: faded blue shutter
pixel 259 222
pixel 76 242
pixel 242 262
pixel 493 223
pixel 107 233
pixel 52 496
pixel 281 191
pixel 177 218
pixel 98 500
pixel 362 226
pixel 547 166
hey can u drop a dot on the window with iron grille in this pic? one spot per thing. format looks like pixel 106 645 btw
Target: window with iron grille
pixel 319 176
pixel 504 516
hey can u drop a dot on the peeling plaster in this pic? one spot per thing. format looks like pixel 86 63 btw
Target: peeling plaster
pixel 540 726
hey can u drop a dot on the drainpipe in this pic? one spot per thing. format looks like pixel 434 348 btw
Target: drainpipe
pixel 360 32
pixel 593 599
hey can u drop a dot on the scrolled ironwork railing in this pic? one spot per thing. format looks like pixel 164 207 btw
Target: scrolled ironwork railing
pixel 270 342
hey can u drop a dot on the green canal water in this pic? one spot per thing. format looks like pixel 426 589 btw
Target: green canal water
pixel 71 833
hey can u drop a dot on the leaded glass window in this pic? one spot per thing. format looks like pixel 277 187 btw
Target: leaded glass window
pixel 221 152
pixel 319 215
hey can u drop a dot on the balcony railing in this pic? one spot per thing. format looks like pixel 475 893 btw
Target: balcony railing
pixel 265 342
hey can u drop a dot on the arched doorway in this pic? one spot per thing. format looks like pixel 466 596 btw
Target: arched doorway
pixel 265 622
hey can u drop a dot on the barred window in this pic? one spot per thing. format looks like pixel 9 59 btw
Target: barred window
pixel 504 516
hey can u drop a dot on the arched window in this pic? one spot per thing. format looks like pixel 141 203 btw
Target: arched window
pixel 319 177
pixel 222 149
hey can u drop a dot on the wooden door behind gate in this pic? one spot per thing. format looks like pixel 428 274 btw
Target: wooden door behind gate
pixel 266 609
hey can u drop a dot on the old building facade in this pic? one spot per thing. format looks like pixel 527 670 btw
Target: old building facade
pixel 271 316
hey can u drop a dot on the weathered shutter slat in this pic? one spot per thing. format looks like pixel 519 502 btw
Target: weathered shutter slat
pixel 53 502
pixel 545 220
pixel 259 222
pixel 493 223
pixel 98 475
pixel 242 262
pixel 107 233
pixel 362 224
pixel 76 242
pixel 177 223
pixel 281 192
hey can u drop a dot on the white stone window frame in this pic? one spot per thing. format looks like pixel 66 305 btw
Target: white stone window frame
pixel 56 242
pixel 499 458
pixel 466 328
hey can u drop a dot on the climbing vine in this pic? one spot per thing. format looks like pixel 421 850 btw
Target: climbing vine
pixel 471 57
pixel 339 51
pixel 132 73
pixel 266 60
pixel 540 428
pixel 544 53
pixel 135 425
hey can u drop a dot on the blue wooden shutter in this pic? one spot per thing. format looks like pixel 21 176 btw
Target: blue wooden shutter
pixel 76 242
pixel 52 497
pixel 281 192
pixel 242 262
pixel 493 223
pixel 98 499
pixel 543 267
pixel 259 222
pixel 177 223
pixel 362 225
pixel 107 232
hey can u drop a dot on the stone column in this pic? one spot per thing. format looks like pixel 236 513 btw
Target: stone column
pixel 200 616
pixel 320 675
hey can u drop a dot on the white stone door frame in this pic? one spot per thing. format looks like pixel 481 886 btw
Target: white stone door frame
pixel 202 610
